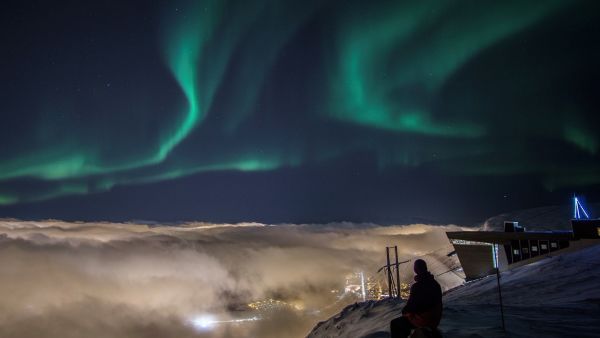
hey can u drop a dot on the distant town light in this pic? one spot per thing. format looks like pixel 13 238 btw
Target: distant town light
pixel 204 322
pixel 208 322
pixel 362 282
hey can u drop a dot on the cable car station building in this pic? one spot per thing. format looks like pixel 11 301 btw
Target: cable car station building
pixel 480 252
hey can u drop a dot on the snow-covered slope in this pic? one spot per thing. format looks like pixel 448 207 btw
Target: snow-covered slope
pixel 558 296
pixel 543 218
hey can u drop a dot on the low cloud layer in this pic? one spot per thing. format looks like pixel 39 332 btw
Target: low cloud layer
pixel 61 279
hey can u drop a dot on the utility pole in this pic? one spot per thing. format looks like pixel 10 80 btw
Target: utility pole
pixel 497 267
pixel 500 297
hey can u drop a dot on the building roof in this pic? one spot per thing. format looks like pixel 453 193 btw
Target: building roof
pixel 503 237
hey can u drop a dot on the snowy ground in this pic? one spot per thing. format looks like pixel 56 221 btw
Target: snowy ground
pixel 558 296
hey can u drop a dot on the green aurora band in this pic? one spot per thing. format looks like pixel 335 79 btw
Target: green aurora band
pixel 385 68
pixel 386 59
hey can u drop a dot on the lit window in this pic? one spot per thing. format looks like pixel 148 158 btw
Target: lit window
pixel 534 248
pixel 525 250
pixel 598 229
pixel 544 247
pixel 553 245
pixel 516 251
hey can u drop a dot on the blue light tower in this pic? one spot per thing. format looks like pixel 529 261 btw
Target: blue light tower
pixel 578 209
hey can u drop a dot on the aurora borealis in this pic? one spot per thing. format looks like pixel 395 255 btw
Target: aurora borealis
pixel 296 111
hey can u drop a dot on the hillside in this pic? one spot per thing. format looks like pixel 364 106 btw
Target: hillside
pixel 556 297
pixel 543 218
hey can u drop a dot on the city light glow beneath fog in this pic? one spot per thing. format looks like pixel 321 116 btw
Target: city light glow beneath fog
pixel 183 282
pixel 208 322
pixel 203 322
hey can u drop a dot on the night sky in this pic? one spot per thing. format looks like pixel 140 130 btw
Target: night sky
pixel 297 111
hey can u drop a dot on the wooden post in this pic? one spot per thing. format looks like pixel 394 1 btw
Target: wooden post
pixel 397 273
pixel 389 271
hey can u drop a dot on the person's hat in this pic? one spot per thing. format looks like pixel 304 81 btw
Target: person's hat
pixel 420 266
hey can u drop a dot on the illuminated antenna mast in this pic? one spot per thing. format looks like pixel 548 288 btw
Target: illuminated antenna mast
pixel 578 208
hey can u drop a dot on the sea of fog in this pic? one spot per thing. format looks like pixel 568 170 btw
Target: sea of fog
pixel 75 279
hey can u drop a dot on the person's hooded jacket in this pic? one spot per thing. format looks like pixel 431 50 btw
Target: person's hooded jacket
pixel 424 306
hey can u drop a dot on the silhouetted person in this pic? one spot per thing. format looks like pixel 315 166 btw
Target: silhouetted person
pixel 424 306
